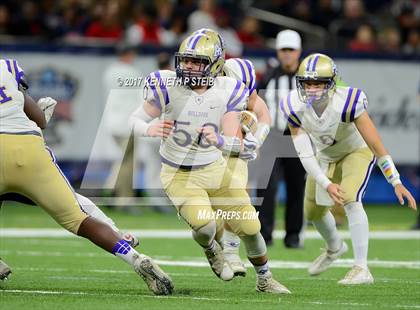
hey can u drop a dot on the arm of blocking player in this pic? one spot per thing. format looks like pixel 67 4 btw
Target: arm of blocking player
pixel 371 136
pixel 140 122
pixel 249 126
pixel 229 142
pixel 33 111
pixel 303 147
pixel 257 105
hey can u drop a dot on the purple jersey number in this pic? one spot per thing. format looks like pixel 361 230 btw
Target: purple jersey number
pixel 3 97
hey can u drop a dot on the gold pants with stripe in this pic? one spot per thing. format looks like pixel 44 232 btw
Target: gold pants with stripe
pixel 206 190
pixel 352 173
pixel 27 168
pixel 239 170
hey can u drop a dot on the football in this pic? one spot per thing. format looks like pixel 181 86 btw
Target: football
pixel 248 121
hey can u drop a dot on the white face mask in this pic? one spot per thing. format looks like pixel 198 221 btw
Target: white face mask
pixel 314 96
pixel 315 93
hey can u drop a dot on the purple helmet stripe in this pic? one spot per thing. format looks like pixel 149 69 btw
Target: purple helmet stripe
pixel 190 40
pixel 197 38
pixel 314 63
pixel 308 65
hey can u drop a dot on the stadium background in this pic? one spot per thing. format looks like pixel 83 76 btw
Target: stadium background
pixel 66 45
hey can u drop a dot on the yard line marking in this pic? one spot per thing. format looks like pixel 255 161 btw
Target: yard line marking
pixel 130 295
pixel 201 262
pixel 276 301
pixel 337 303
pixel 107 294
pixel 176 274
pixel 384 280
pixel 186 234
pixel 66 278
pixel 353 304
pixel 188 274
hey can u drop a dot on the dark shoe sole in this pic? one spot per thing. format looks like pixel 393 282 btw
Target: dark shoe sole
pixel 5 274
pixel 163 283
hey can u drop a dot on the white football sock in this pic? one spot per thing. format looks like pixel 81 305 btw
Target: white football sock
pixel 359 232
pixel 326 227
pixel 90 208
pixel 231 242
pixel 262 270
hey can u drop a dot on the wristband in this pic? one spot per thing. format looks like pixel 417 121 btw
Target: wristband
pixel 262 132
pixel 228 144
pixel 390 172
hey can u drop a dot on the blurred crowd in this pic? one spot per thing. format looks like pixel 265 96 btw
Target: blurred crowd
pixel 381 26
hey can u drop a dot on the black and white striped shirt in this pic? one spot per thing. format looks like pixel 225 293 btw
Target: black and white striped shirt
pixel 274 86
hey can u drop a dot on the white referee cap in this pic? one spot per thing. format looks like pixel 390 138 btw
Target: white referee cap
pixel 288 39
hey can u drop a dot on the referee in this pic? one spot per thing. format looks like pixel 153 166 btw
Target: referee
pixel 279 147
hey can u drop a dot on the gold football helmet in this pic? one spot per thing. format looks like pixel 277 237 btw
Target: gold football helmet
pixel 201 49
pixel 214 35
pixel 316 68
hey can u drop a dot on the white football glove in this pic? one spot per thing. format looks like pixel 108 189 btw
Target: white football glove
pixel 248 156
pixel 250 142
pixel 250 147
pixel 47 105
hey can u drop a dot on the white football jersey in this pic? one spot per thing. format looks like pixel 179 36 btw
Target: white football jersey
pixel 334 133
pixel 12 117
pixel 242 70
pixel 191 111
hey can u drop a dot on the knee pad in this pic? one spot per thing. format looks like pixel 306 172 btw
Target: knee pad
pixel 197 214
pixel 248 223
pixel 255 245
pixel 205 234
pixel 250 227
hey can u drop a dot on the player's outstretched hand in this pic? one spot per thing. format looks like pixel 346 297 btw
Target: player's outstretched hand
pixel 336 193
pixel 162 128
pixel 402 193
